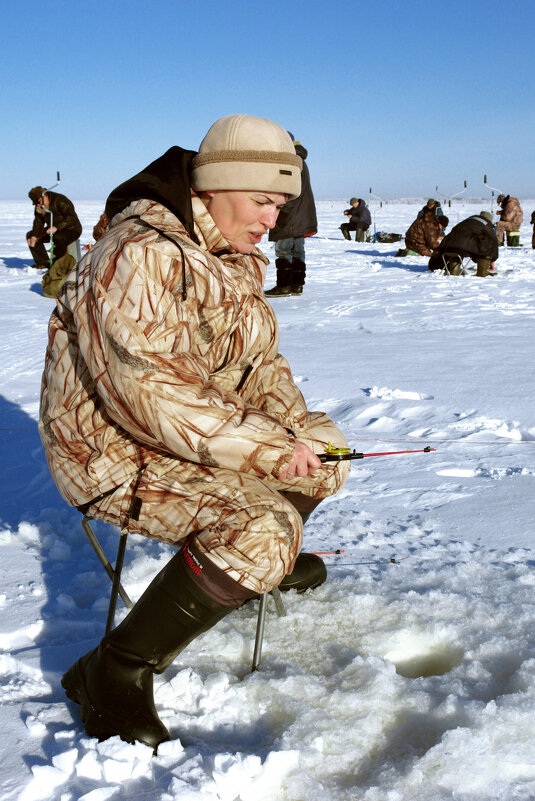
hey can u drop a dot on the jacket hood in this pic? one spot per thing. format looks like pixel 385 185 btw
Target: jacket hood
pixel 300 150
pixel 166 180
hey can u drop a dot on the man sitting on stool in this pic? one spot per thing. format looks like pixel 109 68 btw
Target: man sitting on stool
pixel 473 237
pixel 511 216
pixel 360 220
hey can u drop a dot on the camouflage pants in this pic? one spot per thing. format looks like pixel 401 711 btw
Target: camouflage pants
pixel 241 523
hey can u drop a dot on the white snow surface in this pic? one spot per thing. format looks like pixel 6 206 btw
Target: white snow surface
pixel 410 674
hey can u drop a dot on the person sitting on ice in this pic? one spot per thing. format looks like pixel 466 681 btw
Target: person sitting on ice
pixel 511 216
pixel 359 220
pixel 167 410
pixel 473 237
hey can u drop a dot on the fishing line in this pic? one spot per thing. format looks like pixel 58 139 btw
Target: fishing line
pixel 393 560
pixel 459 441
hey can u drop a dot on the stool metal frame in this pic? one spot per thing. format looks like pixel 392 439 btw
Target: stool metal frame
pixel 445 261
pixel 118 589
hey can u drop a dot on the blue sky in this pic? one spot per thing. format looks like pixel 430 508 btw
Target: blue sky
pixel 397 96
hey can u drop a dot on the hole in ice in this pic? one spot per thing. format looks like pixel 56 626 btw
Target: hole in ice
pixel 421 655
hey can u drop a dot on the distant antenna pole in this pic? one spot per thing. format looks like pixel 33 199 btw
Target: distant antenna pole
pixel 441 193
pixel 493 190
pixel 380 204
pixel 458 193
pixel 380 199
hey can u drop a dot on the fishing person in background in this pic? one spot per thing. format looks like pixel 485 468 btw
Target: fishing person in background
pixel 55 219
pixel 511 215
pixel 360 220
pixel 473 237
pixel 167 409
pixel 296 221
pixel 425 233
pixel 432 205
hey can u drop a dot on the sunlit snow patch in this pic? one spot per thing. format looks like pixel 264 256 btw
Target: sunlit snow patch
pixel 387 393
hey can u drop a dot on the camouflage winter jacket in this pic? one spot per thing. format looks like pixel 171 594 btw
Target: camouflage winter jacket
pixel 64 216
pixel 423 235
pixel 162 347
pixel 511 212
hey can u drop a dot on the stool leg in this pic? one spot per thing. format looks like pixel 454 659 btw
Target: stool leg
pixel 257 655
pixel 276 593
pixel 116 586
pixel 261 621
pixel 88 531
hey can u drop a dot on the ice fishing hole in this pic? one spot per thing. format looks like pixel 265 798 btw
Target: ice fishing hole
pixel 421 655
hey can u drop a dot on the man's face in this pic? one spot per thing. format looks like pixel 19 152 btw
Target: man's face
pixel 243 217
pixel 42 204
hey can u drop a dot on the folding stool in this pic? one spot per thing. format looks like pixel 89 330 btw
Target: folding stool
pixel 118 589
pixel 454 257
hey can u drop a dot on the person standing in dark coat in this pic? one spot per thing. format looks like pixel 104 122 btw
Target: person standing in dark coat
pixel 360 219
pixel 296 221
pixel 474 237
pixel 54 214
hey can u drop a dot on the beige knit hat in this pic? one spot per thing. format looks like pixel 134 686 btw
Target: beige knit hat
pixel 247 153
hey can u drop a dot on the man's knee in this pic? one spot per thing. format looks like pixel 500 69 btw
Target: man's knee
pixel 258 544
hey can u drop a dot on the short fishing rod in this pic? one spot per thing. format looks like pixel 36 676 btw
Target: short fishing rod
pixel 345 454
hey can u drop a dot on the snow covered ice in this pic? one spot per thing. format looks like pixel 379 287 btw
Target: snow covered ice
pixel 410 674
